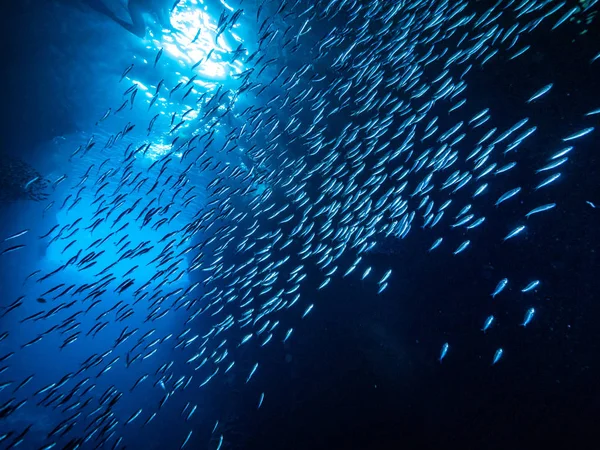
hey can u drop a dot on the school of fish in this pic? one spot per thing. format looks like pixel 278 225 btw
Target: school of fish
pixel 219 218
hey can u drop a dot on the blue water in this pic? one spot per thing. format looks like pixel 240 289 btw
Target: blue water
pixel 360 365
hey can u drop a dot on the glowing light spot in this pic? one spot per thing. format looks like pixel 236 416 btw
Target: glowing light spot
pixel 192 114
pixel 140 85
pixel 196 39
pixel 158 150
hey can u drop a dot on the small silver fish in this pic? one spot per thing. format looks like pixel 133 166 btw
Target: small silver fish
pixel 578 134
pixel 30 182
pixel 488 323
pixel 528 316
pixel 540 93
pixel 16 235
pixel 531 286
pixel 443 351
pixel 514 232
pixel 462 247
pixel 547 181
pixel 540 209
pixel 497 356
pixel 261 399
pixel 158 55
pixel 500 287
pixel 366 273
pixel 508 195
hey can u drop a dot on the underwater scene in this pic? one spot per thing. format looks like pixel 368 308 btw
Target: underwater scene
pixel 296 224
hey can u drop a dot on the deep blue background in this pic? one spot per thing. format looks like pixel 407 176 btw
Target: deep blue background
pixel 363 372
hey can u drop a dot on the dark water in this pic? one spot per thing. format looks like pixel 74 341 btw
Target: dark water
pixel 361 370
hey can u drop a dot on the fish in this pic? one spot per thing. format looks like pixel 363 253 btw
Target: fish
pixel 16 235
pixel 104 116
pixel 308 310
pixel 220 442
pixel 593 112
pixel 500 287
pixel 158 55
pixel 186 440
pixel 436 244
pixel 443 351
pixel 30 182
pixel 528 317
pixel 488 323
pixel 505 168
pixel 539 209
pixel 386 276
pixel 260 400
pixel 514 232
pixel 133 416
pixel 252 372
pixel 565 17
pixel 531 286
pixel 553 165
pixel 507 195
pixel 191 413
pixel 561 153
pixel 14 248
pixel 578 134
pixel 126 71
pixel 551 179
pixel 497 355
pixel 462 247
pixel 520 52
pixel 541 92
